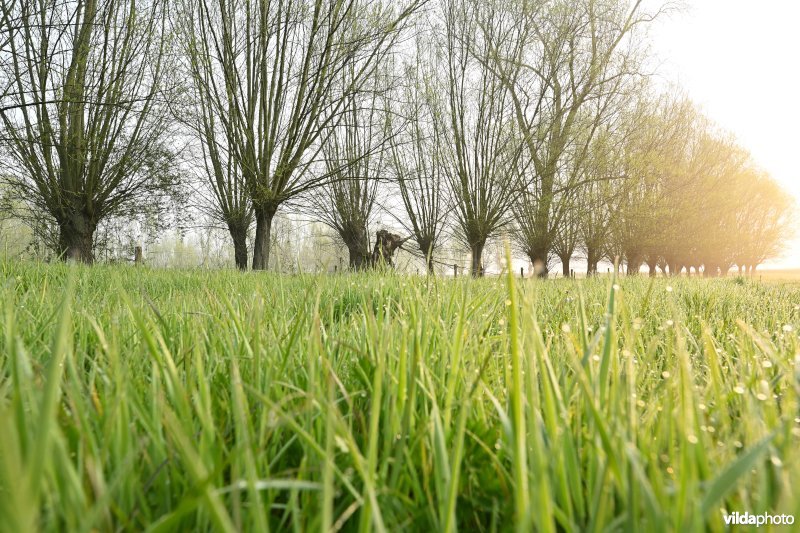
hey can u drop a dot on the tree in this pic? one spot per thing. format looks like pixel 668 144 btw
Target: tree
pixel 567 238
pixel 763 217
pixel 354 155
pixel 229 202
pixel 480 145
pixel 416 160
pixel 596 216
pixel 84 123
pixel 599 194
pixel 651 140
pixel 273 82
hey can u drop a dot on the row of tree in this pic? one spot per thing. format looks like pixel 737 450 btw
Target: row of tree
pixel 694 199
pixel 461 119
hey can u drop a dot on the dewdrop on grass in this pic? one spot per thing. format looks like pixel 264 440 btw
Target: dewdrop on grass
pixel 340 443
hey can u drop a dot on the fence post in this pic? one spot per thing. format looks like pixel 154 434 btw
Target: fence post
pixel 522 272
pixel 138 259
pixel 455 270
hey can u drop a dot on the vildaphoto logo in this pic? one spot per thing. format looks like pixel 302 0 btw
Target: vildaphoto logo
pixel 758 520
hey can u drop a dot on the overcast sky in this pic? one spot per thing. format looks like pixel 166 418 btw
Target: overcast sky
pixel 740 61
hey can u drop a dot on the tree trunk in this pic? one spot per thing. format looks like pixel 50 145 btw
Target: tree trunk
pixel 633 263
pixel 565 266
pixel 239 248
pixel 477 255
pixel 652 265
pixel 427 249
pixel 539 260
pixel 357 244
pixel 358 257
pixel 76 237
pixel 431 265
pixel 262 242
pixel 592 259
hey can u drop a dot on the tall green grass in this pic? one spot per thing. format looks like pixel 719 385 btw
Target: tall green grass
pixel 133 399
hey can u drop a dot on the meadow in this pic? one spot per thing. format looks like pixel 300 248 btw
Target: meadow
pixel 134 399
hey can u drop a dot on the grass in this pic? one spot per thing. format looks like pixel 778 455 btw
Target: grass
pixel 135 399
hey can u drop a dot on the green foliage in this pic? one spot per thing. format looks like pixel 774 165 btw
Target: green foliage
pixel 135 399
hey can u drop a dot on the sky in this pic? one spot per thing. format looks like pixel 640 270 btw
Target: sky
pixel 739 60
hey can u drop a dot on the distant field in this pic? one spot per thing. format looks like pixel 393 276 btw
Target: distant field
pixel 194 400
pixel 785 274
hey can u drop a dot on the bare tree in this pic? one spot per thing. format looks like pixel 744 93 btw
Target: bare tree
pixel 229 200
pixel 656 137
pixel 416 161
pixel 481 148
pixel 273 84
pixel 763 217
pixel 568 238
pixel 598 196
pixel 82 114
pixel 354 155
